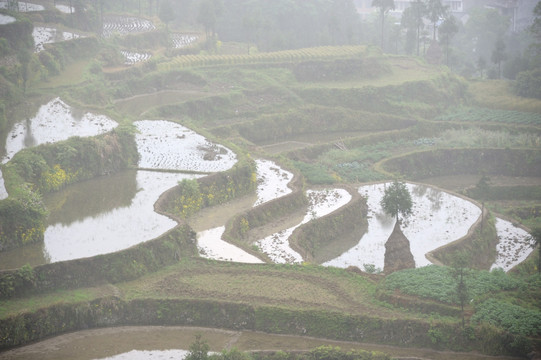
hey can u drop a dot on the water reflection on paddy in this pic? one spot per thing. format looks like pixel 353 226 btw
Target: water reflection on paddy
pixel 438 218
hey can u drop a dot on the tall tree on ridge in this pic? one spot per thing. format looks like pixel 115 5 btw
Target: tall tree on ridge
pixel 384 7
pixel 447 30
pixel 499 55
pixel 435 10
pixel 397 200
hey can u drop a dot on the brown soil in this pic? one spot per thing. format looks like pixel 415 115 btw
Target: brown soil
pixel 98 343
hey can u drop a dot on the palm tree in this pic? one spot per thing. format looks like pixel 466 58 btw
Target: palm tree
pixel 384 7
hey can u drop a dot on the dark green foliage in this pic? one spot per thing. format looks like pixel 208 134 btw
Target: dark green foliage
pixel 496 193
pixel 315 173
pixel 419 98
pixel 266 213
pixel 536 237
pixel 50 167
pixel 528 84
pixel 442 162
pixel 317 119
pixel 134 81
pixel 330 236
pixel 397 200
pixel 47 60
pixel 335 353
pixel 124 265
pixel 199 349
pixel 79 158
pixel 190 196
pixel 478 247
pixel 437 283
pixel 513 318
pixel 18 34
pixel 480 114
pixel 21 221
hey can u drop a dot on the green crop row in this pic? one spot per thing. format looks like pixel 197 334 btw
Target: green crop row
pixel 516 319
pixel 325 52
pixel 437 282
pixel 480 114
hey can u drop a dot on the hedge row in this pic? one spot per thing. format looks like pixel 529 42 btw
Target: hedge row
pixel 238 228
pixel 421 98
pixel 340 69
pixel 478 246
pixel 317 119
pixel 327 237
pixel 444 162
pixel 24 328
pixel 49 168
pixel 190 196
pixel 277 57
pixel 116 267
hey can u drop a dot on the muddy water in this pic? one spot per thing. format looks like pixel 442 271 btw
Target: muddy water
pixel 438 218
pixel 157 342
pixel 112 213
pixel 117 213
pixel 53 121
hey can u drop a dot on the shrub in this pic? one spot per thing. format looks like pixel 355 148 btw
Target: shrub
pixel 315 173
pixel 528 84
pixel 515 319
pixel 437 282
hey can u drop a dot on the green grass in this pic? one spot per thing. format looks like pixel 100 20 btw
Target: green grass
pixel 71 75
pixel 498 94
pixel 514 318
pixel 481 114
pixel 478 138
pixel 437 283
pixel 315 173
pixel 295 287
pixel 33 303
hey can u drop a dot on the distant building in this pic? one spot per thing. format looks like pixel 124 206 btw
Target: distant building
pixel 519 11
pixel 364 7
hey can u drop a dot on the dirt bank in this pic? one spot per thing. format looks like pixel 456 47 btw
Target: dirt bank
pixel 99 343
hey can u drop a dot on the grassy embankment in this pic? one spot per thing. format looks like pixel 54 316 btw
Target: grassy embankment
pixel 302 299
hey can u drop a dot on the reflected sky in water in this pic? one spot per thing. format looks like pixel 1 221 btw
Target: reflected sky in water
pixel 438 218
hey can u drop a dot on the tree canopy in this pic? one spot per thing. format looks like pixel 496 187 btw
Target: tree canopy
pixel 397 200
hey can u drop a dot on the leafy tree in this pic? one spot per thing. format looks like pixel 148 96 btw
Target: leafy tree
pixel 536 237
pixel 397 200
pixel 460 263
pixel 412 19
pixel 447 30
pixel 25 57
pixel 166 13
pixel 410 22
pixel 435 10
pixel 528 84
pixel 499 55
pixel 384 7
pixel 481 31
pixel 199 349
pixel 481 65
pixel 209 10
pixel 535 28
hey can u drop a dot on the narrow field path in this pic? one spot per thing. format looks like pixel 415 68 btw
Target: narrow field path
pixel 99 343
